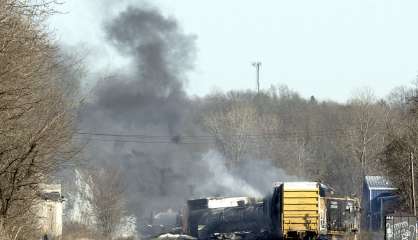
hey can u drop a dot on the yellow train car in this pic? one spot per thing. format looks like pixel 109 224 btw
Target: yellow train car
pixel 299 211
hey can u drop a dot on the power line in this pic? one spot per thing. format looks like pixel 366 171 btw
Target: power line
pixel 242 134
pixel 135 141
pixel 210 139
pixel 121 135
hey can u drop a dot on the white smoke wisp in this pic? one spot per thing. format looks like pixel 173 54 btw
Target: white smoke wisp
pixel 262 173
pixel 223 180
pixel 77 207
pixel 251 177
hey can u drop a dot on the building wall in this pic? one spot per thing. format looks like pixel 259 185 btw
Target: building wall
pixel 50 213
pixel 51 219
pixel 371 205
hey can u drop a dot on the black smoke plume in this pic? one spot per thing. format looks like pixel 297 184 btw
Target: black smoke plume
pixel 148 98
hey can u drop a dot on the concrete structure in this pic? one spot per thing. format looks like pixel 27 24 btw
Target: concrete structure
pixel 50 211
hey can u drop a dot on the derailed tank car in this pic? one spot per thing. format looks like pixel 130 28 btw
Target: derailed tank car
pixel 205 217
pixel 295 210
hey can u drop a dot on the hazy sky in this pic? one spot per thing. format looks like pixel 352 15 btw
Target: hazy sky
pixel 325 48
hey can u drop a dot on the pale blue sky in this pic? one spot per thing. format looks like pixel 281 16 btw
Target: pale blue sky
pixel 325 48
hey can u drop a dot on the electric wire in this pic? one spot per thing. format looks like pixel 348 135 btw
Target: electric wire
pixel 210 139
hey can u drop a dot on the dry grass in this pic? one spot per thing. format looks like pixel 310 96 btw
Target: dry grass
pixel 73 231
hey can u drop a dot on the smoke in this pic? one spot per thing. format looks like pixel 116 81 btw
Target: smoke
pixel 151 92
pixel 149 99
pixel 222 181
pixel 253 178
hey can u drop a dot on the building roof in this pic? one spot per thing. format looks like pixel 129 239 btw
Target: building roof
pixel 51 192
pixel 379 183
pixel 50 187
pixel 52 196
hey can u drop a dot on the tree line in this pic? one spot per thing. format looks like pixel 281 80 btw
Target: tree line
pixel 324 141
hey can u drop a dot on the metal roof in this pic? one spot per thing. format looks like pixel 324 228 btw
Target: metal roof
pixel 379 183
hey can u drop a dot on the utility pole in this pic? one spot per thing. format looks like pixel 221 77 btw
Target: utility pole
pixel 257 67
pixel 411 157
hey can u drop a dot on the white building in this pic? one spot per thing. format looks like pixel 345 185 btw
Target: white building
pixel 50 211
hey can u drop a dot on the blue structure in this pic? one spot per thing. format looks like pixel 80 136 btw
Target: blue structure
pixel 379 199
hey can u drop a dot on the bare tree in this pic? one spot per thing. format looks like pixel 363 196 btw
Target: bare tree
pixel 402 144
pixel 233 126
pixel 366 134
pixel 107 199
pixel 35 116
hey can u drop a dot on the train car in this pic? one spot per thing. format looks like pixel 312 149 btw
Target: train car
pixel 205 217
pixel 296 211
pixel 246 219
pixel 342 217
